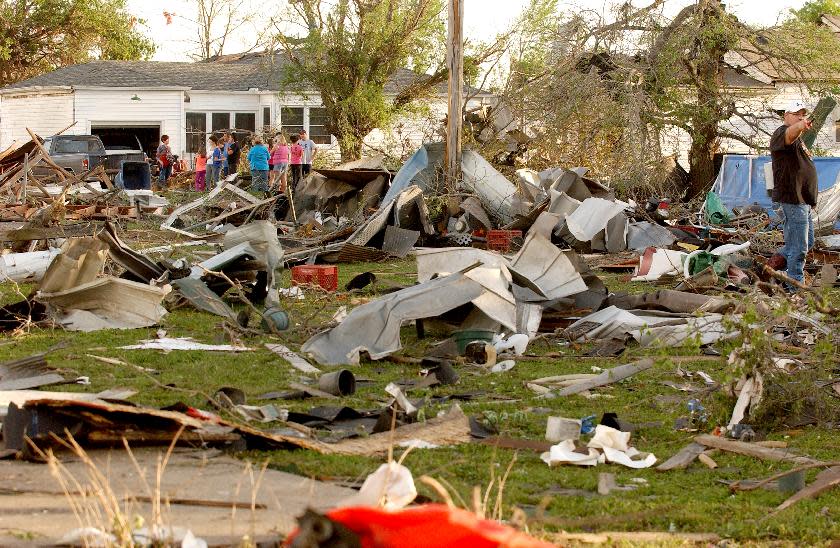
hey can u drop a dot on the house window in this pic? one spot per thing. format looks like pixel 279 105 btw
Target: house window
pixel 196 132
pixel 221 122
pixel 267 121
pixel 246 125
pixel 291 119
pixel 837 131
pixel 317 126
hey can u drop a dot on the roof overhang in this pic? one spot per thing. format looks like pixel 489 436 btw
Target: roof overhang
pixel 35 89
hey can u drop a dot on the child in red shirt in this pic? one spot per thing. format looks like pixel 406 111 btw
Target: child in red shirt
pixel 200 171
pixel 296 164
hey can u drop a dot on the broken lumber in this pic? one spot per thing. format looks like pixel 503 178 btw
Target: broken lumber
pixel 827 479
pixel 752 450
pixel 608 377
pixel 683 458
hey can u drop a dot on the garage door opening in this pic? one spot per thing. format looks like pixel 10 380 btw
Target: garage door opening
pixel 127 137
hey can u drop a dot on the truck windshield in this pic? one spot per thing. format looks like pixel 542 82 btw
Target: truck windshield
pixel 77 146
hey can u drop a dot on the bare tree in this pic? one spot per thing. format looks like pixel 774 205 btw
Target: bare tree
pixel 624 83
pixel 217 21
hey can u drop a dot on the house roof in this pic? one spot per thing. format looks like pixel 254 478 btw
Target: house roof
pixel 262 71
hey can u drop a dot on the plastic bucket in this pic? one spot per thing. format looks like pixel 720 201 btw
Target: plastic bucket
pixel 466 336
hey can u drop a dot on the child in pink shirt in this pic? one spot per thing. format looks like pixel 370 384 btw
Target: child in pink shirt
pixel 280 160
pixel 296 153
pixel 200 171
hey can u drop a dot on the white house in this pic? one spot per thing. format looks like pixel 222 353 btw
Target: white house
pixel 119 100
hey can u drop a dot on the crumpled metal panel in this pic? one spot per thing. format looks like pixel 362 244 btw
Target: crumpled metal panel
pixel 399 241
pixel 592 216
pixel 375 326
pixel 549 268
pixel 642 235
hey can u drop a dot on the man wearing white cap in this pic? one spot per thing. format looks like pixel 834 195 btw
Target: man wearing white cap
pixel 794 186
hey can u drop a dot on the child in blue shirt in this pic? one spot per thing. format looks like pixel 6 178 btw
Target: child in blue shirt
pixel 258 160
pixel 217 157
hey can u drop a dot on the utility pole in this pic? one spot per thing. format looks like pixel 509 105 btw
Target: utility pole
pixel 455 64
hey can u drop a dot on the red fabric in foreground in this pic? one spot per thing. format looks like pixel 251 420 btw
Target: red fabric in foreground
pixel 430 525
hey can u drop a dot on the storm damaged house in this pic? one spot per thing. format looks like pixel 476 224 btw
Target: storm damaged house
pixel 124 100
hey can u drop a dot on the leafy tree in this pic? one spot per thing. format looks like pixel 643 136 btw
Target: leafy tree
pixel 813 11
pixel 37 36
pixel 349 51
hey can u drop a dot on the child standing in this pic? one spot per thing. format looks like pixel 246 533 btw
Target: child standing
pixel 296 163
pixel 280 159
pixel 201 171
pixel 218 159
pixel 258 159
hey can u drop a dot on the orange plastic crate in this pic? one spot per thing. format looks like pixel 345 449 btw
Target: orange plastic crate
pixel 325 276
pixel 500 239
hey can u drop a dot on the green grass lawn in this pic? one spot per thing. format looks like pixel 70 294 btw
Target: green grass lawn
pixel 691 500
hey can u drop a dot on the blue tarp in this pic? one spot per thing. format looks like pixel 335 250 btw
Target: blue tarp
pixel 741 182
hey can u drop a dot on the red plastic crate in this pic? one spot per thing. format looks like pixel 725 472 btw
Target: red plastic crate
pixel 325 276
pixel 500 239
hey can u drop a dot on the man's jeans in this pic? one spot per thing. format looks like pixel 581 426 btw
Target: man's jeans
pixel 799 238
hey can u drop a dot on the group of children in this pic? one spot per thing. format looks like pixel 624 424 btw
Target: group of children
pixel 223 159
pixel 269 164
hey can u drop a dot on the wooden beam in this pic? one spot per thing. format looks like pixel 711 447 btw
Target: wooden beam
pixel 683 458
pixel 455 64
pixel 608 377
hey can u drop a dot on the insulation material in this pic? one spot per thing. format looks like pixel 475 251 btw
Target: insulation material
pixel 106 303
pixel 655 263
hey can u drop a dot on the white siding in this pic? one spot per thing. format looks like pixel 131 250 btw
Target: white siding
pixel 223 101
pixel 44 112
pixel 677 142
pixel 116 107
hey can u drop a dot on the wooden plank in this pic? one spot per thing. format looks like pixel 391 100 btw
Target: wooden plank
pixel 608 377
pixel 752 450
pixel 294 360
pixel 683 458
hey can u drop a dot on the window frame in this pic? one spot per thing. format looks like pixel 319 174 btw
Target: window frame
pixel 322 138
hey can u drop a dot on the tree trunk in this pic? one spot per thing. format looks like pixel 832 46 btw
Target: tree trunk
pixel 708 114
pixel 350 146
pixel 701 160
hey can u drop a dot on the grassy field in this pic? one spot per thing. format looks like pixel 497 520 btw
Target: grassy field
pixel 691 500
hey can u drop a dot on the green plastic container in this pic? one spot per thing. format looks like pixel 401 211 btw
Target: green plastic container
pixel 465 337
pixel 274 319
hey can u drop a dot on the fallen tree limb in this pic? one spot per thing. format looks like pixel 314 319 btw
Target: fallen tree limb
pixel 819 302
pixel 736 485
pixel 752 450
